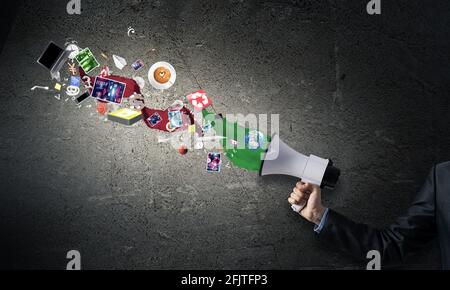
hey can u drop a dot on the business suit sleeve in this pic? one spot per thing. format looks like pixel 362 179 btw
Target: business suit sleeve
pixel 405 235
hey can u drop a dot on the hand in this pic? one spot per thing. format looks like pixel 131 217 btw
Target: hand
pixel 311 194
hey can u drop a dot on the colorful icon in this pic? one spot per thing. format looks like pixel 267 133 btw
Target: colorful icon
pixel 102 107
pixel 154 119
pixel 86 60
pixel 137 65
pixel 254 140
pixel 125 116
pixel 199 100
pixel 175 119
pixel 162 75
pixel 213 162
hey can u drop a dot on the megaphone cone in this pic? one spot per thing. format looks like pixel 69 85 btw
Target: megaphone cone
pixel 282 159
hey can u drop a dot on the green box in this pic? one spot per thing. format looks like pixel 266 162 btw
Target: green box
pixel 87 60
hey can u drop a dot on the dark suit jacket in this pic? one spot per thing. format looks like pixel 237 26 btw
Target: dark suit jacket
pixel 427 218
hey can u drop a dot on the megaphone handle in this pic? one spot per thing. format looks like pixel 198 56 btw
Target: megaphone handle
pixel 298 207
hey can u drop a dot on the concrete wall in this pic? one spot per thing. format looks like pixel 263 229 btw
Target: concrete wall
pixel 371 92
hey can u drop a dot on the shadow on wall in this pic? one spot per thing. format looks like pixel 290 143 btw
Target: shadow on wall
pixel 8 12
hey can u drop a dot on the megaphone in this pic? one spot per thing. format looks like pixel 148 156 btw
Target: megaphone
pixel 282 159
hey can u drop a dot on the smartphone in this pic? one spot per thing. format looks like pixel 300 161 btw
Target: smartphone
pixel 81 98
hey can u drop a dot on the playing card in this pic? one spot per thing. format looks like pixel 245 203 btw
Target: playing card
pixel 138 64
pixel 213 162
pixel 175 119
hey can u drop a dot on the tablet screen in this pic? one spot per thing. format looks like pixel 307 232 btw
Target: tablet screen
pixel 50 55
pixel 108 90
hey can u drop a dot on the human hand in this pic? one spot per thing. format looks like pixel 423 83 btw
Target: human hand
pixel 311 195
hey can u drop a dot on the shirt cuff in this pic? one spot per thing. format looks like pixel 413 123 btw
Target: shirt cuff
pixel 318 228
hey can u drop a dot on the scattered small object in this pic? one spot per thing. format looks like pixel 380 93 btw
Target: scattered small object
pixel 53 59
pixel 75 81
pixel 39 87
pixel 82 98
pixel 199 100
pixel 151 50
pixel 72 68
pixel 207 127
pixel 156 119
pixel 191 128
pixel 140 81
pixel 213 162
pixel 72 91
pixel 105 72
pixel 137 65
pixel 162 75
pixel 254 140
pixel 177 105
pixel 136 102
pixel 73 50
pixel 175 119
pixel 108 90
pixel 198 144
pixel 163 140
pixel 169 128
pixel 211 138
pixel 125 116
pixel 119 61
pixel 104 55
pixel 131 31
pixel 87 82
pixel 87 60
pixel 234 142
pixel 102 107
pixel 182 150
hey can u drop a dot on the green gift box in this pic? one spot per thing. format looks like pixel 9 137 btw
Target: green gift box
pixel 87 60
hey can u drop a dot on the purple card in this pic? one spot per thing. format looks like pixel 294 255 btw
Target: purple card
pixel 108 90
pixel 213 162
pixel 138 64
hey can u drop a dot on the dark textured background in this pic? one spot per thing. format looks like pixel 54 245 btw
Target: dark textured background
pixel 369 91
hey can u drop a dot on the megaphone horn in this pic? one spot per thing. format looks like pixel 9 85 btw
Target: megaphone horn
pixel 282 159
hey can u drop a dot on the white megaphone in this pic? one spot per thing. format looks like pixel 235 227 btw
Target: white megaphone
pixel 282 159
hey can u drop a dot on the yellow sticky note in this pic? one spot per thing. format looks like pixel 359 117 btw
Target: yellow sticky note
pixel 57 86
pixel 191 129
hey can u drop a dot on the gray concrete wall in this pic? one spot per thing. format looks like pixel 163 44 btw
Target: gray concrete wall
pixel 371 92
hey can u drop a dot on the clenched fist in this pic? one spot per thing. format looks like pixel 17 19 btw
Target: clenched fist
pixel 311 195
